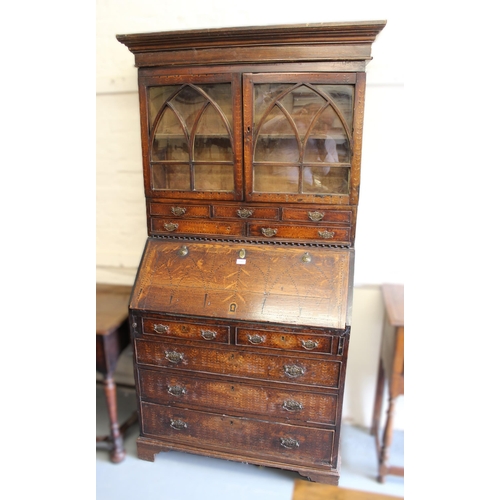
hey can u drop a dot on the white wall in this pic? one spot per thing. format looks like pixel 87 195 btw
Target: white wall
pixel 120 206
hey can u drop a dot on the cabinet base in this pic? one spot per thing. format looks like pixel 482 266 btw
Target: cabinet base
pixel 148 448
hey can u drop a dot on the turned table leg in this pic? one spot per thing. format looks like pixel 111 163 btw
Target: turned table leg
pixel 117 452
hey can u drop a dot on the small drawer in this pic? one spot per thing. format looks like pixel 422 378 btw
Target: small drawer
pixel 190 331
pixel 284 340
pixel 237 212
pixel 235 435
pixel 225 396
pixel 179 226
pixel 239 363
pixel 317 215
pixel 188 211
pixel 278 231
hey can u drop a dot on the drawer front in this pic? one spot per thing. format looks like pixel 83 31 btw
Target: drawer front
pixel 243 436
pixel 234 212
pixel 239 363
pixel 284 340
pixel 317 215
pixel 187 211
pixel 191 331
pixel 179 389
pixel 179 226
pixel 324 233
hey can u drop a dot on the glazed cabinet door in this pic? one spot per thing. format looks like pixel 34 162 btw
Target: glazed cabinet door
pixel 191 133
pixel 301 143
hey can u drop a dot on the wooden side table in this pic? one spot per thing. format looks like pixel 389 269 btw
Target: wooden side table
pixel 112 336
pixel 391 369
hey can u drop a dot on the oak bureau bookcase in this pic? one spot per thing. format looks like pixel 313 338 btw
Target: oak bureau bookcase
pixel 241 308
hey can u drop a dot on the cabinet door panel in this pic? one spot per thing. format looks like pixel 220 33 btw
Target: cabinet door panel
pixel 299 144
pixel 192 134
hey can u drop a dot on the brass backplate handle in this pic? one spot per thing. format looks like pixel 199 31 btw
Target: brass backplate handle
pixel 208 334
pixel 178 424
pixel 256 339
pixel 293 371
pixel 309 345
pixel 326 234
pixel 160 328
pixel 316 216
pixel 289 443
pixel 174 356
pixel 244 213
pixel 291 405
pixel 269 231
pixel 170 226
pixel 176 390
pixel 179 211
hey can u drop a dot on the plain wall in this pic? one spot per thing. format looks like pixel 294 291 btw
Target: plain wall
pixel 120 204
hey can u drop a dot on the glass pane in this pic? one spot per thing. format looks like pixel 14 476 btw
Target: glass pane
pixel 305 105
pixel 221 95
pixel 264 96
pixel 327 143
pixel 276 140
pixel 276 179
pixel 334 180
pixel 342 96
pixel 169 141
pixel 212 140
pixel 173 177
pixel 213 178
pixel 156 98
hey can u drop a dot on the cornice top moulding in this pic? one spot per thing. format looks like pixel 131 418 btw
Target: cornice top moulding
pixel 345 33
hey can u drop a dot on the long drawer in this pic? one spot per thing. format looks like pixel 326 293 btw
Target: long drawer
pixel 239 363
pixel 226 396
pixel 289 443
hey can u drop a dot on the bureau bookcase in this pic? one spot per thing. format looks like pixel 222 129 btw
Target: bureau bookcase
pixel 240 312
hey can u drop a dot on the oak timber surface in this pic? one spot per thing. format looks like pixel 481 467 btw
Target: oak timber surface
pixel 307 286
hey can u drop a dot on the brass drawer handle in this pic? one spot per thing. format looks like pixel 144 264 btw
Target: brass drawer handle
pixel 183 251
pixel 174 356
pixel 289 443
pixel 256 339
pixel 269 231
pixel 316 216
pixel 179 211
pixel 291 405
pixel 178 425
pixel 309 344
pixel 160 328
pixel 208 334
pixel 170 226
pixel 244 213
pixel 176 390
pixel 326 234
pixel 293 371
